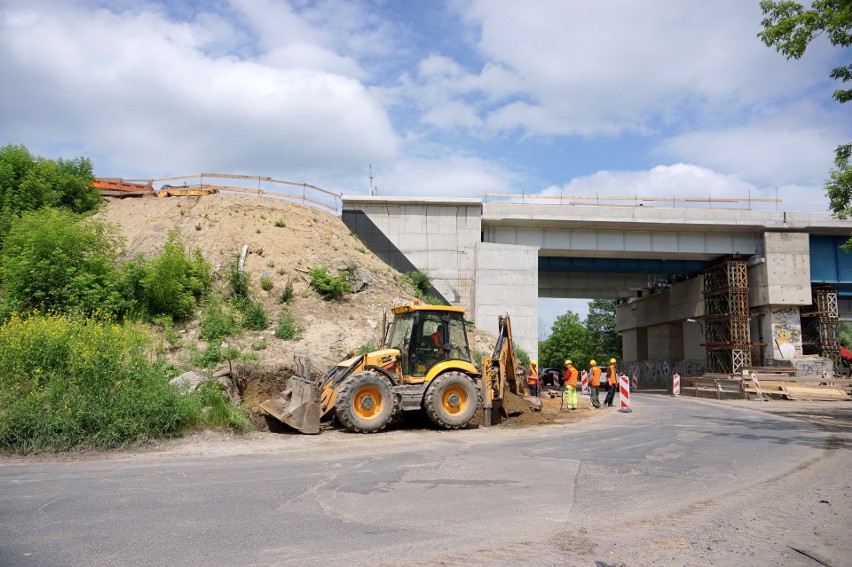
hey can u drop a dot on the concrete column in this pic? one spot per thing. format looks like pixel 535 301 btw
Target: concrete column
pixel 507 282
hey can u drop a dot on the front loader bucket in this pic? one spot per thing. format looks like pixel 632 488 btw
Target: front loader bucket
pixel 297 406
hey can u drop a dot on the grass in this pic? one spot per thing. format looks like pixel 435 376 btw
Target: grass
pixel 287 329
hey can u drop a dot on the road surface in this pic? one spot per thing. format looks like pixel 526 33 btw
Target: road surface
pixel 675 482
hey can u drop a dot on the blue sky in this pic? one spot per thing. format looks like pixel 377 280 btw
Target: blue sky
pixel 455 98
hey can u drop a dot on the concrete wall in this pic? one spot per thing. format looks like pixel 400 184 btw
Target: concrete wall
pixel 507 282
pixel 438 236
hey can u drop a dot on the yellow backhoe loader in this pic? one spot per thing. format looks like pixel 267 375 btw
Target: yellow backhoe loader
pixel 424 364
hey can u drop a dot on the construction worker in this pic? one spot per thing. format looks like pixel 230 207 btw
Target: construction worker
pixel 438 340
pixel 532 378
pixel 569 395
pixel 594 383
pixel 612 382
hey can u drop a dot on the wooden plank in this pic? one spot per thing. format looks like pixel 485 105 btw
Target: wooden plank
pixel 801 392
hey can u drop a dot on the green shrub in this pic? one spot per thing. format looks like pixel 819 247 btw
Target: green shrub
pixel 237 280
pixel 367 347
pixel 265 282
pixel 280 223
pixel 287 294
pixel 53 261
pixel 69 382
pixel 210 356
pixel 287 329
pixel 421 282
pixel 328 286
pixel 254 317
pixel 171 282
pixel 520 354
pixel 217 410
pixel 218 322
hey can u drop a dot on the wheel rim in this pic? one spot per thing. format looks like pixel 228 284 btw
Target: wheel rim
pixel 454 400
pixel 368 402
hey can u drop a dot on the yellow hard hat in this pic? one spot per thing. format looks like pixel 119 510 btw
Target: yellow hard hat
pixel 593 363
pixel 534 362
pixel 612 361
pixel 568 361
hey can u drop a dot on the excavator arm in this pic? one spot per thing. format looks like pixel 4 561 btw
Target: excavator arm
pixel 498 373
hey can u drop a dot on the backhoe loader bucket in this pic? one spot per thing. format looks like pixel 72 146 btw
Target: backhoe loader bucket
pixel 297 406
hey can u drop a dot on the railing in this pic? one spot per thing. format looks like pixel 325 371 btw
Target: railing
pixel 311 194
pixel 618 200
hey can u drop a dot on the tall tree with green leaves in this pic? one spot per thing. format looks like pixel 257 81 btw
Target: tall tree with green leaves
pixel 28 183
pixel 568 339
pixel 789 27
pixel 604 337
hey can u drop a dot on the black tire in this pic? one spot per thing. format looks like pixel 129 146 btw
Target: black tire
pixel 365 403
pixel 452 400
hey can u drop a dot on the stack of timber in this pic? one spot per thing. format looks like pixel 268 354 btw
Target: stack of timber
pixel 780 383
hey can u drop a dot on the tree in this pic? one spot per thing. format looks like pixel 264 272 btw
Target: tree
pixel 28 183
pixel 604 337
pixel 568 339
pixel 51 261
pixel 790 28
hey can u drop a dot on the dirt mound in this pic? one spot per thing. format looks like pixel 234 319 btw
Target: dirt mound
pixel 285 240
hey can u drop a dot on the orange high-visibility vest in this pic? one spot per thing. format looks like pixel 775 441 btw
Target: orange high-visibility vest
pixel 532 378
pixel 611 377
pixel 596 376
pixel 571 377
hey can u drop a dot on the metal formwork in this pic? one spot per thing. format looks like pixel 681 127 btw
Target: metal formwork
pixel 726 316
pixel 821 324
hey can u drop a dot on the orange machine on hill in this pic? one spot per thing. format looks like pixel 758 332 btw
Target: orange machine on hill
pixel 120 188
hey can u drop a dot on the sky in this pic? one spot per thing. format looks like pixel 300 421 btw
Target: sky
pixel 658 98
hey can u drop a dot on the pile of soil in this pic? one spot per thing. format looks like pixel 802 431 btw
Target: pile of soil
pixel 285 240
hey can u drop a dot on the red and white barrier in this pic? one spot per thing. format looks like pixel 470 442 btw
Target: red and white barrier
pixel 584 381
pixel 756 383
pixel 635 384
pixel 676 384
pixel 624 393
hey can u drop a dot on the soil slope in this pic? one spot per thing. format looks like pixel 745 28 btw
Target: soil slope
pixel 285 240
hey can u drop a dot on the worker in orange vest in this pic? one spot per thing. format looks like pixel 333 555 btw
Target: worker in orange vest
pixel 612 382
pixel 595 383
pixel 569 395
pixel 532 378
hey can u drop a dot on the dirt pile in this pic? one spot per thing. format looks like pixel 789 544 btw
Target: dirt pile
pixel 285 240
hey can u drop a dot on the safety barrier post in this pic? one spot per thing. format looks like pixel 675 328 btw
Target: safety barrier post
pixel 757 389
pixel 635 385
pixel 584 381
pixel 624 393
pixel 676 385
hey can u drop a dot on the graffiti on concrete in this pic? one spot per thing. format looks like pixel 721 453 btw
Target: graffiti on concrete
pixel 657 374
pixel 786 333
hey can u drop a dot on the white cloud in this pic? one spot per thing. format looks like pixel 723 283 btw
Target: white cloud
pixel 449 176
pixel 144 96
pixel 682 180
pixel 590 69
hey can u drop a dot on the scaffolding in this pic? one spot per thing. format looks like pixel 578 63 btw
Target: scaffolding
pixel 821 324
pixel 726 316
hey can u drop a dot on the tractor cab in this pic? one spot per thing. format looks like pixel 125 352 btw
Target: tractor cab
pixel 426 335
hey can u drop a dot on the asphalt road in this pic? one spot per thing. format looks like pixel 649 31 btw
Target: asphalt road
pixel 485 496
